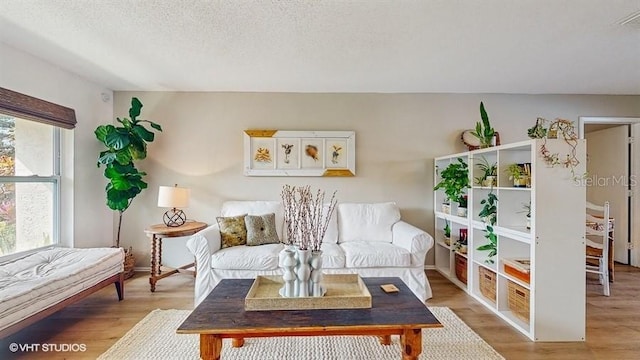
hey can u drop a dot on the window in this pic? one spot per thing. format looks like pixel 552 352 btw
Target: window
pixel 29 184
pixel 30 137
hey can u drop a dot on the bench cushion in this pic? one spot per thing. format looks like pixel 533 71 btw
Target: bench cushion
pixel 45 278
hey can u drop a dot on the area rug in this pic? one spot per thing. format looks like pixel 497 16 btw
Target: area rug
pixel 154 337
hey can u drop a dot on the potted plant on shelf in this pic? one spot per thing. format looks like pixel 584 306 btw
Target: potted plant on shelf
pixel 454 181
pixel 491 246
pixel 483 131
pixel 125 144
pixel 517 173
pixel 461 244
pixel 489 210
pixel 462 206
pixel 447 233
pixel 489 177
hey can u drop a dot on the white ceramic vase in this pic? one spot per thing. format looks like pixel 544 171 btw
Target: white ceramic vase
pixel 303 273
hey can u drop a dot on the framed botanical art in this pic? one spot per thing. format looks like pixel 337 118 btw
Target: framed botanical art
pixel 299 153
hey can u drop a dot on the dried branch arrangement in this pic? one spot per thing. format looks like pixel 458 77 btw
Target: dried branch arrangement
pixel 305 218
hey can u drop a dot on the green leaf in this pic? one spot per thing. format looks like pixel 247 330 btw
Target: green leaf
pixel 143 133
pixel 106 157
pixel 118 200
pixel 485 247
pixel 102 131
pixel 154 125
pixel 121 183
pixel 134 111
pixel 484 116
pixel 117 140
pixel 138 149
pixel 123 156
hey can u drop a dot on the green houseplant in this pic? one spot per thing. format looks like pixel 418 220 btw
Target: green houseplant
pixel 491 246
pixel 518 174
pixel 489 173
pixel 483 131
pixel 454 181
pixel 489 210
pixel 125 144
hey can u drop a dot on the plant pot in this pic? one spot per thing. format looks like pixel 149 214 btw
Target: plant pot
pixel 446 208
pixel 520 183
pixel 490 181
pixel 461 211
pixel 528 222
pixel 447 240
pixel 462 249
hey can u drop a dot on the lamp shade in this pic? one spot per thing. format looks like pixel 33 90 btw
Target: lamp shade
pixel 173 197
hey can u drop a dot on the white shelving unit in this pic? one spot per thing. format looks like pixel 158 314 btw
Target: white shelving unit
pixel 554 243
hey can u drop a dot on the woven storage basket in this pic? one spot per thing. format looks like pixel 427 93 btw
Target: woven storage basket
pixel 518 299
pixel 487 283
pixel 461 268
pixel 129 263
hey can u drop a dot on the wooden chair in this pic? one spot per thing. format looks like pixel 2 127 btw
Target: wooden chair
pixel 597 230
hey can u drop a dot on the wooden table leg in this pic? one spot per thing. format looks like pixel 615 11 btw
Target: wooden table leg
pixel 237 342
pixel 210 347
pixel 153 274
pixel 385 339
pixel 411 344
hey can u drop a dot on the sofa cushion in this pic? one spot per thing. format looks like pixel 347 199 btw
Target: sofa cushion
pixel 360 254
pixel 332 256
pixel 235 208
pixel 244 257
pixel 233 231
pixel 261 229
pixel 367 222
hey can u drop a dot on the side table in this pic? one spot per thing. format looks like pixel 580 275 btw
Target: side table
pixel 160 231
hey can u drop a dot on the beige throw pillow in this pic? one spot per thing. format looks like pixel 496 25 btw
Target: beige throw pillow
pixel 233 231
pixel 261 229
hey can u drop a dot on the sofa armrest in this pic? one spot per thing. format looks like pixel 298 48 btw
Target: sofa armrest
pixel 202 244
pixel 415 240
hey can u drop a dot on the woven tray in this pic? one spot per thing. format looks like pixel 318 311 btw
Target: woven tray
pixel 344 291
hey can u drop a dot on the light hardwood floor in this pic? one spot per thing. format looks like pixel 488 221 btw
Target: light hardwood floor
pixel 613 323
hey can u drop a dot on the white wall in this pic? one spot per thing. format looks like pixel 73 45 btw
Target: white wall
pixel 398 135
pixel 86 221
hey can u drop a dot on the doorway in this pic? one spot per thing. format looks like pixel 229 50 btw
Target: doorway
pixel 613 167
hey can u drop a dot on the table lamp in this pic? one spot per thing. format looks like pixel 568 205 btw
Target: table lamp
pixel 173 197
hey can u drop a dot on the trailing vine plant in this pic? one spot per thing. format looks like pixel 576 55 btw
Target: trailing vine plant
pixel 492 246
pixel 558 129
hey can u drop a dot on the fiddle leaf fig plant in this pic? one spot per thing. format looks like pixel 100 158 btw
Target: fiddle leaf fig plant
pixel 125 144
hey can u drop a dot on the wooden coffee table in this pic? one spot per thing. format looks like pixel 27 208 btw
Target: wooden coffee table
pixel 222 315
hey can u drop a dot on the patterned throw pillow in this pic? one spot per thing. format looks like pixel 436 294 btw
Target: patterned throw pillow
pixel 261 229
pixel 233 232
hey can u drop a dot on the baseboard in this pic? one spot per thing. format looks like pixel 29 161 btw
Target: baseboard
pixel 142 269
pixel 429 267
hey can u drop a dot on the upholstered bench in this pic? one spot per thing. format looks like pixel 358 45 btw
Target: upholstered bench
pixel 37 285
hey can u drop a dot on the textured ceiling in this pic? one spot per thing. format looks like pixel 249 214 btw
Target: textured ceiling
pixel 498 46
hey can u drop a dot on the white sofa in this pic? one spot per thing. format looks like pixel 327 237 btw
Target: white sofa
pixel 368 239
